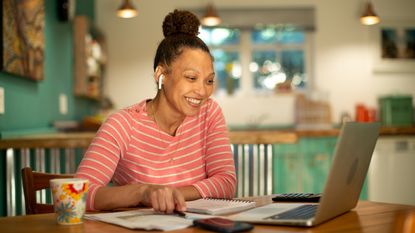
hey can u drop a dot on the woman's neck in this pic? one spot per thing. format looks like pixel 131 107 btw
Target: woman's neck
pixel 166 119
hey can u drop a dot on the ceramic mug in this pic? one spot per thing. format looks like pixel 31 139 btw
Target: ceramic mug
pixel 69 199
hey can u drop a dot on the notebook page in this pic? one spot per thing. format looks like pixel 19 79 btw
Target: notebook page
pixel 214 206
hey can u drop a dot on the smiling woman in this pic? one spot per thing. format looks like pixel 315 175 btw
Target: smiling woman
pixel 169 149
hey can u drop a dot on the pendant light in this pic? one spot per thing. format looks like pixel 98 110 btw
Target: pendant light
pixel 211 18
pixel 369 16
pixel 126 10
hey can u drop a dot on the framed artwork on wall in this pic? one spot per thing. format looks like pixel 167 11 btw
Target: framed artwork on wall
pixel 395 47
pixel 22 40
pixel 90 59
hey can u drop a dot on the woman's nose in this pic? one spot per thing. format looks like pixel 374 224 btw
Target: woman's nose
pixel 201 89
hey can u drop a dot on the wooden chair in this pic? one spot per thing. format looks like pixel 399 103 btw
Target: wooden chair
pixel 34 181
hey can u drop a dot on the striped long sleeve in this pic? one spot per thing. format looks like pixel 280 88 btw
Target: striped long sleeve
pixel 130 148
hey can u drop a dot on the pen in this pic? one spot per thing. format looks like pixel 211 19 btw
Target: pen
pixel 180 213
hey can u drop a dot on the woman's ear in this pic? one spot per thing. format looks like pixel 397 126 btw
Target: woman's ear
pixel 158 75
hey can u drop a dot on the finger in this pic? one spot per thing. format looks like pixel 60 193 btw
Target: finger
pixel 170 203
pixel 179 200
pixel 161 196
pixel 154 201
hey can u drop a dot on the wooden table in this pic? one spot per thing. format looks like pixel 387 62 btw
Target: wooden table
pixel 366 217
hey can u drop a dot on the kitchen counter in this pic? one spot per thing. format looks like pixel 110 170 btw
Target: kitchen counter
pixel 292 135
pixel 285 136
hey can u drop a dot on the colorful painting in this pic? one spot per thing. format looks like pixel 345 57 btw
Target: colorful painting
pixel 22 25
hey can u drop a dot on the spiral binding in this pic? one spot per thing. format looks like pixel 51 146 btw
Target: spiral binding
pixel 227 200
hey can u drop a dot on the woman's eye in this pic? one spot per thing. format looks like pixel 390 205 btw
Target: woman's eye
pixel 191 78
pixel 211 81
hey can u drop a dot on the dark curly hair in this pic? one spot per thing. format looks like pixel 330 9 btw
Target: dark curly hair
pixel 180 30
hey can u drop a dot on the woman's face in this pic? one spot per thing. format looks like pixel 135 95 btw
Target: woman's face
pixel 190 82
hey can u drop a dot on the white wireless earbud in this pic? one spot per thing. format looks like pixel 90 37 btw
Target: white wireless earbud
pixel 160 81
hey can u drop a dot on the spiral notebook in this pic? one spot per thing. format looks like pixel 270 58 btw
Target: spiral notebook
pixel 216 206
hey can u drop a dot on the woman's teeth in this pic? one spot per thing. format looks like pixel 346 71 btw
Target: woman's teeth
pixel 193 101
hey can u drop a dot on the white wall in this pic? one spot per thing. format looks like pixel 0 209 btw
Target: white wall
pixel 343 53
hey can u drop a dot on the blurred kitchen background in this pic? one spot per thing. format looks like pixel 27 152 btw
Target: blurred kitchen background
pixel 333 59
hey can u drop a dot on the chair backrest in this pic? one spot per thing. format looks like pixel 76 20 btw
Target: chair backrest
pixel 35 181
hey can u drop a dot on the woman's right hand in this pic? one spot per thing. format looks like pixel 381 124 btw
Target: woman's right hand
pixel 163 198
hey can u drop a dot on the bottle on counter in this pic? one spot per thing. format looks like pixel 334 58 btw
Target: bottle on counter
pixel 365 114
pixel 362 113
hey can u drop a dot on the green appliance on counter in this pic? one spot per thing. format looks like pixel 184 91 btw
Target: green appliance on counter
pixel 396 110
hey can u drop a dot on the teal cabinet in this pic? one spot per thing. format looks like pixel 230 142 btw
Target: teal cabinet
pixel 304 166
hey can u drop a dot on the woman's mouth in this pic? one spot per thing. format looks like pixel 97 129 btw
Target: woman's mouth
pixel 193 101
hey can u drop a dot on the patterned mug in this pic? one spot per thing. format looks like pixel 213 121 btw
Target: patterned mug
pixel 69 199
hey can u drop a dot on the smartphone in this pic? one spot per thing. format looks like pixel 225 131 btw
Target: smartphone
pixel 222 225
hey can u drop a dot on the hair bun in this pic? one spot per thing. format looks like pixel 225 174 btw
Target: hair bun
pixel 181 22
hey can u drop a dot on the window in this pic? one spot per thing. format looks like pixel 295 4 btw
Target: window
pixel 224 44
pixel 262 60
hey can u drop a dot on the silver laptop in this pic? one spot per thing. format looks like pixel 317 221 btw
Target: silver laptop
pixel 353 153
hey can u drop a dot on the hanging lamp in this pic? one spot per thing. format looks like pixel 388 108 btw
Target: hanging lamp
pixel 369 16
pixel 126 10
pixel 211 18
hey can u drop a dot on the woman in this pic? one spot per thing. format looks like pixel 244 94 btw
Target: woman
pixel 164 151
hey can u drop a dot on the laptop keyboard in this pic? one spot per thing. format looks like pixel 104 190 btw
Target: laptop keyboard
pixel 301 212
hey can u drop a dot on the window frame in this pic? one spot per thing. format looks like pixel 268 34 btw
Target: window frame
pixel 245 49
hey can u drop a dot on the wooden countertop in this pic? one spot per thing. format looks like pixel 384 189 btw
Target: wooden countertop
pixel 384 131
pixel 83 139
pixel 392 131
pixel 50 140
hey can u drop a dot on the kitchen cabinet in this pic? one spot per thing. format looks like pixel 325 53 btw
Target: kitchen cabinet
pixel 391 173
pixel 304 166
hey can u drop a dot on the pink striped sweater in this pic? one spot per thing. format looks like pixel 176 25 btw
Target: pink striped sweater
pixel 130 148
